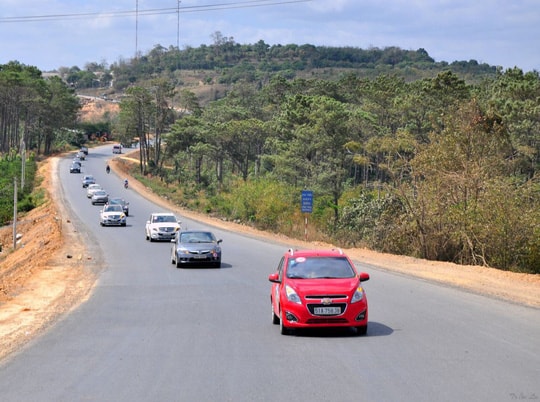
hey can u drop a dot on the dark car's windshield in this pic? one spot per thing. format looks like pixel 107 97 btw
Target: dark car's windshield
pixel 197 237
pixel 118 201
pixel 319 267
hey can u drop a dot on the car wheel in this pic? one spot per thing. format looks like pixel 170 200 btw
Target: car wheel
pixel 362 330
pixel 101 223
pixel 275 318
pixel 282 328
pixel 217 264
pixel 124 224
pixel 146 236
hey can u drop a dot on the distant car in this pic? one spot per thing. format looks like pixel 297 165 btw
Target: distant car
pixel 92 188
pixel 161 226
pixel 84 149
pixel 318 288
pixel 75 168
pixel 117 149
pixel 87 180
pixel 99 197
pixel 120 201
pixel 81 155
pixel 196 247
pixel 112 215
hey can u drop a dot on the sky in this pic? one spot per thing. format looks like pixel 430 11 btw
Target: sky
pixel 66 33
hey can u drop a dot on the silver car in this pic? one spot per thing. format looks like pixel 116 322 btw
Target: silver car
pixel 100 197
pixel 87 180
pixel 92 188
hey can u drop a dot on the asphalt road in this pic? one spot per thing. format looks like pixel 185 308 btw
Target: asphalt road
pixel 152 332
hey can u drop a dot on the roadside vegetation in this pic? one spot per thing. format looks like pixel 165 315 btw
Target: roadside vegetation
pixel 404 155
pixel 11 175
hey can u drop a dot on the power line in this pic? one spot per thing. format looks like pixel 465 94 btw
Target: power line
pixel 154 11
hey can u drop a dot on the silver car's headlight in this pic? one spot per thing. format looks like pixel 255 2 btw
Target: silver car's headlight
pixel 358 295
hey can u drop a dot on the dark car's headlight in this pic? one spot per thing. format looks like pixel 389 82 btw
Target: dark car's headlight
pixel 182 250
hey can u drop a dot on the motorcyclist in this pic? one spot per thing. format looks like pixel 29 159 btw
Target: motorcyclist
pixel 108 169
pixel 125 183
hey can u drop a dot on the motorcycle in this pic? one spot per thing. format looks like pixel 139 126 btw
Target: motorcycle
pixel 108 169
pixel 126 184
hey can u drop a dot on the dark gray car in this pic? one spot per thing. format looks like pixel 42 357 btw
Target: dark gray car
pixel 196 247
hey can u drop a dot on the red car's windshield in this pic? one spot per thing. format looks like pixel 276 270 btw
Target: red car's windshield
pixel 319 267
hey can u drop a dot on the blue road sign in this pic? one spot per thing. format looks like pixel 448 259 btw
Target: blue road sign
pixel 307 201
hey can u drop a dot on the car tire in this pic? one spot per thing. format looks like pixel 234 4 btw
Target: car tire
pixel 217 264
pixel 282 328
pixel 362 330
pixel 275 318
pixel 124 224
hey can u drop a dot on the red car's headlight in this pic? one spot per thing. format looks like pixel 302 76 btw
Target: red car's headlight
pixel 358 295
pixel 292 296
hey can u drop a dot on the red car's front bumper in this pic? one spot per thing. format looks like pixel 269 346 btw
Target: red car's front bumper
pixel 306 316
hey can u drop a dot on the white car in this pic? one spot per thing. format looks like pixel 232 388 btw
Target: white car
pixel 161 226
pixel 92 188
pixel 112 214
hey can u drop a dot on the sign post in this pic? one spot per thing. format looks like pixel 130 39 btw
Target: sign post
pixel 307 208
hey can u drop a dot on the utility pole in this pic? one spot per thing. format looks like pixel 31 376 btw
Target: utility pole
pixel 136 29
pixel 14 213
pixel 23 164
pixel 178 25
pixel 178 34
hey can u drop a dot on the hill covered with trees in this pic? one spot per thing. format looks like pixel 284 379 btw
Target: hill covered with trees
pixel 403 154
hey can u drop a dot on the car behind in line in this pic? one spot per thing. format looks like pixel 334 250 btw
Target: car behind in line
pixel 99 197
pixel 87 180
pixel 112 215
pixel 161 226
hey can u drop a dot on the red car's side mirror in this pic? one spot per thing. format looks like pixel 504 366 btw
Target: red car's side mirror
pixel 363 276
pixel 274 278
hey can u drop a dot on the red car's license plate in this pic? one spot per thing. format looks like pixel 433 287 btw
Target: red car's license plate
pixel 327 310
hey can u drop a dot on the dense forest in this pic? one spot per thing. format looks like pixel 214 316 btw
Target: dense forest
pixel 404 155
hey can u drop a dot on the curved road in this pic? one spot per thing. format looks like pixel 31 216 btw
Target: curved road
pixel 151 332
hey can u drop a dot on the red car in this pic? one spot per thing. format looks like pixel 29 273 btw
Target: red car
pixel 318 288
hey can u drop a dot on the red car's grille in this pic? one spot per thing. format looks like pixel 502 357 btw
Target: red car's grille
pixel 319 297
